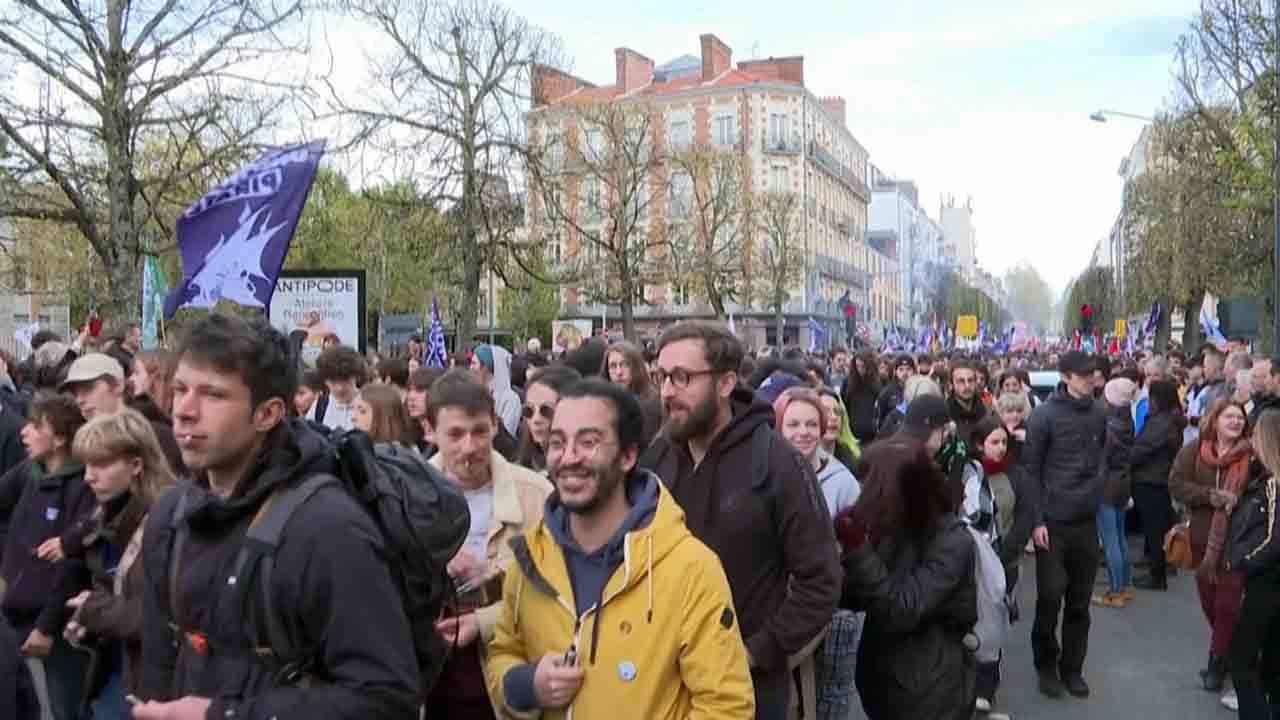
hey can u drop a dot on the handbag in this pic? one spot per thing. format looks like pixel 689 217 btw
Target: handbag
pixel 1177 547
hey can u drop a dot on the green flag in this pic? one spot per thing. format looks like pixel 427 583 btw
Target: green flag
pixel 154 289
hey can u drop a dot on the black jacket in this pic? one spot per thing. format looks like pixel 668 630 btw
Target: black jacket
pixel 12 451
pixel 890 398
pixel 966 418
pixel 775 539
pixel 1253 537
pixel 1262 404
pixel 1063 455
pixel 16 690
pixel 52 505
pixel 1117 481
pixel 860 404
pixel 920 605
pixel 331 588
pixel 1154 449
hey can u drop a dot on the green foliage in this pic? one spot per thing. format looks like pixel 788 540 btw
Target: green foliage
pixel 1095 287
pixel 529 305
pixel 953 297
pixel 389 231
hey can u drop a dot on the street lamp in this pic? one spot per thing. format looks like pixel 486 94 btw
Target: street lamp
pixel 1101 116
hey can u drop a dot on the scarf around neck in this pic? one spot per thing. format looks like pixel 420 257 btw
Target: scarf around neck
pixel 1234 464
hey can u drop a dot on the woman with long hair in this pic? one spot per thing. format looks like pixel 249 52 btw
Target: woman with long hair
pixel 860 392
pixel 909 563
pixel 416 398
pixel 1254 550
pixel 379 411
pixel 624 365
pixel 540 400
pixel 802 420
pixel 149 381
pixel 838 439
pixel 1117 489
pixel 1155 446
pixel 1206 475
pixel 126 470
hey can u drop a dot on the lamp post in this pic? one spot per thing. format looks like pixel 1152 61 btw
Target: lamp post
pixel 1100 116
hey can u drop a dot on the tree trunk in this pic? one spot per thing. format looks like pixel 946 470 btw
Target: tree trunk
pixel 471 257
pixel 627 309
pixel 1164 327
pixel 781 321
pixel 1191 337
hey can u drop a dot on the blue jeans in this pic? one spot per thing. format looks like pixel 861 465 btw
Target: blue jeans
pixel 110 703
pixel 1114 544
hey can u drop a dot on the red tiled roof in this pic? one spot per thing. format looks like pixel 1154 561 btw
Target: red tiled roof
pixel 731 78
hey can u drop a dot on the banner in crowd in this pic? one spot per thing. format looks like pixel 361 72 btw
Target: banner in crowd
pixel 154 290
pixel 569 334
pixel 234 239
pixel 437 353
pixel 320 303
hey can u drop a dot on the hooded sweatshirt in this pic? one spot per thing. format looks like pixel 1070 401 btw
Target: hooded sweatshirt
pixel 506 403
pixel 773 534
pixel 649 614
pixel 839 487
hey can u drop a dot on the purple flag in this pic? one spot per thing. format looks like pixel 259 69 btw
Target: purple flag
pixel 234 239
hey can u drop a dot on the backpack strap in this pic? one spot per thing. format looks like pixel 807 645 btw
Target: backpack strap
pixel 178 533
pixel 255 563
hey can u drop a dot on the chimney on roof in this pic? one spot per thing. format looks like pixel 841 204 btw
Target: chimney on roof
pixel 634 70
pixel 835 107
pixel 716 57
pixel 774 69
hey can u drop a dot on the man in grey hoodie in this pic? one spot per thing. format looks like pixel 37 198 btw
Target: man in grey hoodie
pixel 492 366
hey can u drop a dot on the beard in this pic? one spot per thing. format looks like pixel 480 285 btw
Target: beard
pixel 701 420
pixel 608 480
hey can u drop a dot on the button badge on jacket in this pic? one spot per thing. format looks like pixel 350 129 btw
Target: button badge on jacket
pixel 51 513
pixel 627 671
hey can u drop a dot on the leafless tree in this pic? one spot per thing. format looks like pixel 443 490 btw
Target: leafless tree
pixel 115 79
pixel 444 103
pixel 781 256
pixel 713 237
pixel 602 182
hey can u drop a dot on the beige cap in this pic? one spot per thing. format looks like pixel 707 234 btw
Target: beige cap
pixel 88 368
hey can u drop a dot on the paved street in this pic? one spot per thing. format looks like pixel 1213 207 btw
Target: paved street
pixel 1142 660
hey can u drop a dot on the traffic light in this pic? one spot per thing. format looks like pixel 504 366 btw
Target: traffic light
pixel 1086 318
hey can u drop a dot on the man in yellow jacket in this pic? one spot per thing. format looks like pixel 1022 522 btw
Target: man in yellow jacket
pixel 612 608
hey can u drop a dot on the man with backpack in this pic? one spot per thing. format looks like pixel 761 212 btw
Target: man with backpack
pixel 216 608
pixel 750 497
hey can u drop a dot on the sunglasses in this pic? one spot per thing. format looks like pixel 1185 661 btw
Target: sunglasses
pixel 547 412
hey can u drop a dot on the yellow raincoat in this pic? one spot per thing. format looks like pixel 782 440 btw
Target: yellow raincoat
pixel 664 643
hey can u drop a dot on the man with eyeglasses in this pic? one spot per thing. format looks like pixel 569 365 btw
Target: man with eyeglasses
pixel 750 497
pixel 504 500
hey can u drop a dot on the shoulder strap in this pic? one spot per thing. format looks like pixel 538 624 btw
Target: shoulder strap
pixel 179 541
pixel 322 406
pixel 257 554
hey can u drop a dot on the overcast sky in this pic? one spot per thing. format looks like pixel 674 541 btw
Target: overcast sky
pixel 989 100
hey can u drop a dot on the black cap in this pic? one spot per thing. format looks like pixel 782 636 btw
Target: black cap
pixel 1075 363
pixel 904 359
pixel 924 415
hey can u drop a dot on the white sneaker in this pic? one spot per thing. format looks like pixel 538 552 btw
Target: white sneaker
pixel 1231 701
pixel 982 705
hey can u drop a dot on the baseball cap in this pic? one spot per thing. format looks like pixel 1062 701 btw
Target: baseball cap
pixel 1075 363
pixel 88 368
pixel 924 415
pixel 904 359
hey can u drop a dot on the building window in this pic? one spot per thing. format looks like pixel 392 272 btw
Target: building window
pixel 725 131
pixel 638 205
pixel 680 293
pixel 552 246
pixel 595 144
pixel 779 180
pixel 637 140
pixel 681 195
pixel 778 131
pixel 679 134
pixel 594 200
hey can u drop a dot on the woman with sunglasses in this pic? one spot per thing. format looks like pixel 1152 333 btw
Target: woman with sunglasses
pixel 539 408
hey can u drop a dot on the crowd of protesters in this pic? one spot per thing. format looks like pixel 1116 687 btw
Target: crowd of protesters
pixel 676 529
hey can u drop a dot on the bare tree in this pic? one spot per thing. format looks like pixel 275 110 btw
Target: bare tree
pixel 445 102
pixel 713 237
pixel 781 257
pixel 604 187
pixel 112 77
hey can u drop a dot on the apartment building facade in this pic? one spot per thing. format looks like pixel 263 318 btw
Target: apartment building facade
pixel 788 139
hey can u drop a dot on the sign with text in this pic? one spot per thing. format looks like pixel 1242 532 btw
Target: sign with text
pixel 967 326
pixel 320 303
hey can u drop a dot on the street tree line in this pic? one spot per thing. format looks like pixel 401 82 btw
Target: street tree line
pixel 116 116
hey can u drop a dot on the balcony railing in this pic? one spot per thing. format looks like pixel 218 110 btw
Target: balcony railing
pixel 780 144
pixel 840 172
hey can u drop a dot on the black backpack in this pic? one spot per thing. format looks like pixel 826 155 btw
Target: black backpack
pixel 423 520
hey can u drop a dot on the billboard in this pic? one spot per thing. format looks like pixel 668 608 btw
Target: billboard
pixel 320 303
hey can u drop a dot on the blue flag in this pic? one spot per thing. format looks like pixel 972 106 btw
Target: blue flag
pixel 817 336
pixel 1153 319
pixel 437 355
pixel 234 239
